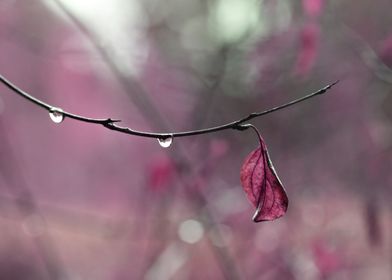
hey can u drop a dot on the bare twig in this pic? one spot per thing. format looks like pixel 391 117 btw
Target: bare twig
pixel 111 123
pixel 371 59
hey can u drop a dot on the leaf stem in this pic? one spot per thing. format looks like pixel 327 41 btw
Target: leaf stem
pixel 111 123
pixel 249 125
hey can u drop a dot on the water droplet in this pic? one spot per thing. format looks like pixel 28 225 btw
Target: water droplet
pixel 56 115
pixel 165 142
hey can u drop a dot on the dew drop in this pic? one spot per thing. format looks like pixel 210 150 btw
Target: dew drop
pixel 165 142
pixel 56 115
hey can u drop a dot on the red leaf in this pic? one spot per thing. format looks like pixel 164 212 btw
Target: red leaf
pixel 262 186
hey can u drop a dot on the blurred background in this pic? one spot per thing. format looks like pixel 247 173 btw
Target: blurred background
pixel 78 201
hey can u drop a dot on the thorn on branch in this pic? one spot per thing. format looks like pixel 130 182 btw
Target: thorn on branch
pixel 109 120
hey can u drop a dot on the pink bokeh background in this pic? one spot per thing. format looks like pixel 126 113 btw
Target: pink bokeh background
pixel 78 201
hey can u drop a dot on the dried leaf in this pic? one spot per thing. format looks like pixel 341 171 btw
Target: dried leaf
pixel 262 186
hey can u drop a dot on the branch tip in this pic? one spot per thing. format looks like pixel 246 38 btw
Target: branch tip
pixel 324 90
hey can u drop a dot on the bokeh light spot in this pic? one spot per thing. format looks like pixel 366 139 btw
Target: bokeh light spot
pixel 190 231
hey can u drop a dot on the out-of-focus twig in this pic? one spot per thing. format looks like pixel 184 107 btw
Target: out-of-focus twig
pixel 27 207
pixel 146 107
pixel 368 55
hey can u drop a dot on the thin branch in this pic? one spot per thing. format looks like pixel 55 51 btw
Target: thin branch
pixel 111 123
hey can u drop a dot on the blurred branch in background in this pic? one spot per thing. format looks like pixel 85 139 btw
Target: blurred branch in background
pixel 33 221
pixel 152 115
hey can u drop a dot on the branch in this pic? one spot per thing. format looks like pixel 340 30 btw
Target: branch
pixel 111 123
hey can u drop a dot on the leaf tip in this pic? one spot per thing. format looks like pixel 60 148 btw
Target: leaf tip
pixel 259 216
pixel 256 216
